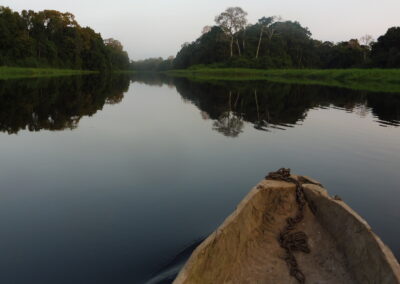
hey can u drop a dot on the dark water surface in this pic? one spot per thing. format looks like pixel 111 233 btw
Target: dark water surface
pixel 115 180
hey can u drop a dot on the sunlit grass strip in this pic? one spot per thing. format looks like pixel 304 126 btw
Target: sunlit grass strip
pixel 379 80
pixel 19 72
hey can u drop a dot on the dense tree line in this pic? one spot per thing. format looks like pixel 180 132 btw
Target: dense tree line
pixel 273 43
pixel 53 39
pixel 153 64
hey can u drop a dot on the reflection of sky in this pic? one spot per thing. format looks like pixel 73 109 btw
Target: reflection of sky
pixel 158 28
pixel 118 197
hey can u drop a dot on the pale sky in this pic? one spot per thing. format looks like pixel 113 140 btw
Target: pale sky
pixel 152 28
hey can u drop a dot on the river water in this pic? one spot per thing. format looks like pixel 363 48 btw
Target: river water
pixel 116 179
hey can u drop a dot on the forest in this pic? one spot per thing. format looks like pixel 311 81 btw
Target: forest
pixel 273 43
pixel 53 39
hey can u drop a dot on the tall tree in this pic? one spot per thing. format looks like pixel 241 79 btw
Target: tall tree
pixel 265 23
pixel 367 41
pixel 118 58
pixel 386 51
pixel 206 29
pixel 231 21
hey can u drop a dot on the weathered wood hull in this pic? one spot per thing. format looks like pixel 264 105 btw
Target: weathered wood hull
pixel 245 248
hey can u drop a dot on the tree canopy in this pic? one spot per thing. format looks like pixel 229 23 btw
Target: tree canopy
pixel 275 43
pixel 51 38
pixel 386 51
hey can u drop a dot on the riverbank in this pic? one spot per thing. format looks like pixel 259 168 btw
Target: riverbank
pixel 20 72
pixel 377 80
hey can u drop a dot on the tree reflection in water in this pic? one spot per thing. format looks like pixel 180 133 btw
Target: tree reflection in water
pixel 229 122
pixel 60 103
pixel 265 105
pixel 56 103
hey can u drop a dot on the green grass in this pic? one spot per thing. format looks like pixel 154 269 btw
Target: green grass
pixel 20 72
pixel 377 80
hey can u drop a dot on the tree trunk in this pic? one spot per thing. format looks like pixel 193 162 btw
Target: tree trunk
pixel 300 60
pixel 244 39
pixel 271 33
pixel 259 42
pixel 238 46
pixel 231 46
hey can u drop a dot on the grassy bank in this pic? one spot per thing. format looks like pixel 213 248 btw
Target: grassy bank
pixel 19 72
pixel 379 80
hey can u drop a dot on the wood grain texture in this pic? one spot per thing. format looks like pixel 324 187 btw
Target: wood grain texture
pixel 244 249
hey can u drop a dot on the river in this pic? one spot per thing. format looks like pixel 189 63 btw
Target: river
pixel 116 179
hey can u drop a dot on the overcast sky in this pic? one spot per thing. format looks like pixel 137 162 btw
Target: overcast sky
pixel 152 28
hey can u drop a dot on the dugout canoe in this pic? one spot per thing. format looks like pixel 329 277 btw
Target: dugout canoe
pixel 335 245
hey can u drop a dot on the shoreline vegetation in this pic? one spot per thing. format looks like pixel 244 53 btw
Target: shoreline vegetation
pixel 22 72
pixel 375 80
pixel 284 51
pixel 50 43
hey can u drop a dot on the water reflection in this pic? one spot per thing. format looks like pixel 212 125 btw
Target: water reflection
pixel 270 105
pixel 274 106
pixel 60 103
pixel 56 103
